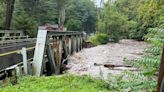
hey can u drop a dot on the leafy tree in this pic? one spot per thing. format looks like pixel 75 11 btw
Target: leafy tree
pixel 2 13
pixel 82 11
pixel 74 25
pixel 115 23
pixel 129 18
pixel 25 23
pixel 148 17
pixel 42 11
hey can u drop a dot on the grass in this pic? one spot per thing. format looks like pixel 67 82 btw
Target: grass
pixel 65 83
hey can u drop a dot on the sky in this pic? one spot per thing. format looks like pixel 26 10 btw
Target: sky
pixel 97 2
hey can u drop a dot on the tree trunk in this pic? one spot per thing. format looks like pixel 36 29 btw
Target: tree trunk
pixel 61 14
pixel 9 13
pixel 161 73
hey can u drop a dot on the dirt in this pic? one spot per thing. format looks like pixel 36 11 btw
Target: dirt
pixel 82 63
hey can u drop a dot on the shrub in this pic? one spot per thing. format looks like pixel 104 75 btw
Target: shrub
pixel 99 39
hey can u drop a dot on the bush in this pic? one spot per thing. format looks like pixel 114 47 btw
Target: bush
pixel 99 39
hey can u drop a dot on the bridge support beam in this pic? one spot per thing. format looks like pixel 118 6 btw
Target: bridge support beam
pixel 39 52
pixel 58 46
pixel 70 44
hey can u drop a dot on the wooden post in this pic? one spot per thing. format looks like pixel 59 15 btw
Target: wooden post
pixel 81 42
pixel 70 45
pixel 74 44
pixel 58 54
pixel 51 57
pixel 65 47
pixel 161 72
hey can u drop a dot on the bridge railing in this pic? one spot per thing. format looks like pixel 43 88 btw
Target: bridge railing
pixel 15 39
pixel 11 33
pixel 51 52
pixel 58 46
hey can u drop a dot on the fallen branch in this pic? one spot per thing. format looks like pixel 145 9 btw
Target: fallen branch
pixel 130 69
pixel 111 65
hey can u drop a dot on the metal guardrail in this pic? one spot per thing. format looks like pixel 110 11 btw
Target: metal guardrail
pixel 57 46
pixel 11 33
pixel 11 40
pixel 13 37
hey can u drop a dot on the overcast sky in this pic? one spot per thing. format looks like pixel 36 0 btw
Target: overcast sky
pixel 97 2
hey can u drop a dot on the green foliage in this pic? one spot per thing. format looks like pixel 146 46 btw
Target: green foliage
pixel 2 13
pixel 65 83
pixel 115 23
pixel 129 18
pixel 25 23
pixel 82 12
pixel 74 25
pixel 148 17
pixel 130 82
pixel 42 11
pixel 149 64
pixel 99 39
pixel 76 15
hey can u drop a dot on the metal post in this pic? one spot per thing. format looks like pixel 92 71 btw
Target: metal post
pixel 39 52
pixel 24 54
pixel 18 71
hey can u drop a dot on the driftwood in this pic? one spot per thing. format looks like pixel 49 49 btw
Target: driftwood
pixel 111 65
pixel 130 69
pixel 118 67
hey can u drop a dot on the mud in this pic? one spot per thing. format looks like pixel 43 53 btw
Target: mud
pixel 82 63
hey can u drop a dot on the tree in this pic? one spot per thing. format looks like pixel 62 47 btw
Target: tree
pixel 74 24
pixel 9 14
pixel 114 22
pixel 42 11
pixel 83 11
pixel 2 13
pixel 148 17
pixel 61 5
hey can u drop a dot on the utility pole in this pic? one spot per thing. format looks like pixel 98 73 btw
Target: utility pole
pixel 9 13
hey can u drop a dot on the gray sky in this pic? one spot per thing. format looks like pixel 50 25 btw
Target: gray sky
pixel 97 2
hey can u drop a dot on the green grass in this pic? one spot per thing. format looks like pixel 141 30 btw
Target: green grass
pixel 65 83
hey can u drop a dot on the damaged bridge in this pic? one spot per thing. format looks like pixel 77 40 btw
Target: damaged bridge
pixel 46 54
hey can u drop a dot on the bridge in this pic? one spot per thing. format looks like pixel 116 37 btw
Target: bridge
pixel 46 54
